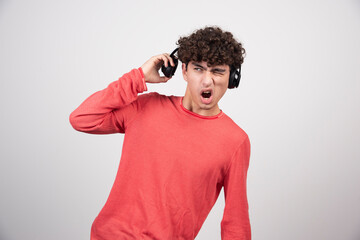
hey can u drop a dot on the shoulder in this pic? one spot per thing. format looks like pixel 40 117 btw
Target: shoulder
pixel 240 147
pixel 153 99
pixel 157 97
pixel 234 131
pixel 154 96
pixel 146 98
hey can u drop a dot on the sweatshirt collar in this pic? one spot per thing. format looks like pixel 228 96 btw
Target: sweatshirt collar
pixel 198 115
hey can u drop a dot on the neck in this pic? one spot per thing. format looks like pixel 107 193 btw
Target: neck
pixel 201 109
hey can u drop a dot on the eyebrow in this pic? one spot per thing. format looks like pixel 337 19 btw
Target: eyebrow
pixel 215 69
pixel 197 65
pixel 219 70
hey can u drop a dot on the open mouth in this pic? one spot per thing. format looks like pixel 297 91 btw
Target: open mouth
pixel 206 96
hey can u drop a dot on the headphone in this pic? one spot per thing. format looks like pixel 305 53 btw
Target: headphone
pixel 234 78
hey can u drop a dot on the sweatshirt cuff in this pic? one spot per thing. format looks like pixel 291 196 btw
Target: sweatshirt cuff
pixel 143 78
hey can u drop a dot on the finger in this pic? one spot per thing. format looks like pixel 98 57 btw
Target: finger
pixel 164 59
pixel 158 60
pixel 170 59
pixel 165 79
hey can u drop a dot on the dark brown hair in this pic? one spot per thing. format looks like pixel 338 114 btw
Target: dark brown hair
pixel 212 45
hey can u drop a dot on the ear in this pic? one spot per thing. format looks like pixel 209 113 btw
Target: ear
pixel 184 71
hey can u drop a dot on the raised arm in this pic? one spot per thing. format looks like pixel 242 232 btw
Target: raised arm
pixel 235 224
pixel 108 110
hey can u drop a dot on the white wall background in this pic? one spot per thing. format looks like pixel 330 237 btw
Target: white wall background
pixel 298 100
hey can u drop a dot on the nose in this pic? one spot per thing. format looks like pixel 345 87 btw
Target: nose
pixel 207 79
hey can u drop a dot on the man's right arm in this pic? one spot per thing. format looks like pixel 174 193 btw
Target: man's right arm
pixel 108 111
pixel 96 114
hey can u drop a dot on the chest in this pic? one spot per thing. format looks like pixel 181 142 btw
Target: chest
pixel 170 141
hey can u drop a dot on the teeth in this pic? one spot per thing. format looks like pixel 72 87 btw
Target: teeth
pixel 206 94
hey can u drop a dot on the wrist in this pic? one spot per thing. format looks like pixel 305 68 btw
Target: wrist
pixel 143 78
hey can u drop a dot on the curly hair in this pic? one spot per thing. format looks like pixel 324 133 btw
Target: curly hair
pixel 212 45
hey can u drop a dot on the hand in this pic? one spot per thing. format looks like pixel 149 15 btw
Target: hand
pixel 152 66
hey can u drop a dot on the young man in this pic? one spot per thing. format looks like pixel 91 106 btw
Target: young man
pixel 178 152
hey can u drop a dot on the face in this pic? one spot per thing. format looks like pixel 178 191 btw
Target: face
pixel 205 86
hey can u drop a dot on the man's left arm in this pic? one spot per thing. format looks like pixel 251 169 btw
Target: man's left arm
pixel 235 224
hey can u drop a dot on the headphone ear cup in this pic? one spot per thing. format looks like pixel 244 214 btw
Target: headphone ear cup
pixel 234 78
pixel 169 71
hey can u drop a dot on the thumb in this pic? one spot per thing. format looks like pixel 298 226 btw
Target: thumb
pixel 164 79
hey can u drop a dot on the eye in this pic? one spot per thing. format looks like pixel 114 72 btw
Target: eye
pixel 198 69
pixel 220 73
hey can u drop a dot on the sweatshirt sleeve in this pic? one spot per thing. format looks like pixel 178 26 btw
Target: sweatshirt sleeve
pixel 109 110
pixel 235 224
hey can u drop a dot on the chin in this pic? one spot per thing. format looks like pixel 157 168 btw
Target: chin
pixel 207 106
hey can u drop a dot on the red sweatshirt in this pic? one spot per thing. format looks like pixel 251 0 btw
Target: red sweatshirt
pixel 173 165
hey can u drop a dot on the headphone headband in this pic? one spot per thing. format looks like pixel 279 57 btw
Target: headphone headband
pixel 173 52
